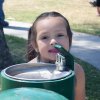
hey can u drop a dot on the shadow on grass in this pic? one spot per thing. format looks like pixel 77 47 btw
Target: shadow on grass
pixel 92 74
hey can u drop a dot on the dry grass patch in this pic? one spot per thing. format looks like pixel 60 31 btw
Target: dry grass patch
pixel 81 15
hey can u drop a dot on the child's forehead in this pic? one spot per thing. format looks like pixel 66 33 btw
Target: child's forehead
pixel 51 23
pixel 50 20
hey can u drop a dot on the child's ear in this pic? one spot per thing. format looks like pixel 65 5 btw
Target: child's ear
pixel 34 45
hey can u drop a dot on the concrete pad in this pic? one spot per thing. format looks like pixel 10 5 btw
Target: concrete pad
pixel 87 48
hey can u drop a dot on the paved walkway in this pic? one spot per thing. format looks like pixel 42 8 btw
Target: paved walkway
pixel 85 46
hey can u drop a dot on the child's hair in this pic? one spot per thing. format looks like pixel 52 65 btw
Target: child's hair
pixel 33 32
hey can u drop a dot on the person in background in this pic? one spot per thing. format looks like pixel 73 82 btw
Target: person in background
pixel 2 15
pixel 48 29
pixel 98 7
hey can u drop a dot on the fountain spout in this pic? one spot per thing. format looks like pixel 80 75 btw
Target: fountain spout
pixel 64 60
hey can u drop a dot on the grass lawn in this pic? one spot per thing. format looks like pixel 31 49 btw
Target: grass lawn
pixel 18 50
pixel 17 47
pixel 81 15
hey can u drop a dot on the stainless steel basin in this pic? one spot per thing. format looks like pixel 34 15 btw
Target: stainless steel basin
pixel 35 71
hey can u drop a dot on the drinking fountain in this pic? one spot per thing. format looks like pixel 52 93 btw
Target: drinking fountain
pixel 58 77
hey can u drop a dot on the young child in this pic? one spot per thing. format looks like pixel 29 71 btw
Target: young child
pixel 48 29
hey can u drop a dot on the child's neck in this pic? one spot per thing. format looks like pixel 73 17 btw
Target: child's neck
pixel 45 61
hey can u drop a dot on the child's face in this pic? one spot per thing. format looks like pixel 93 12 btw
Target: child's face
pixel 51 30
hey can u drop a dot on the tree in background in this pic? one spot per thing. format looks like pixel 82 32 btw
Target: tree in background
pixel 5 56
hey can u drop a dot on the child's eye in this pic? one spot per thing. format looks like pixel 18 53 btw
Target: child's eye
pixel 44 37
pixel 60 35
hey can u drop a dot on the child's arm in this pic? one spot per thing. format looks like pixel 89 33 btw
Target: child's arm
pixel 79 83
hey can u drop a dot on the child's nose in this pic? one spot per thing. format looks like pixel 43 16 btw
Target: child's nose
pixel 53 41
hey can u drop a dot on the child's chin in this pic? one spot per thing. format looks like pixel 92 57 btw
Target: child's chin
pixel 52 60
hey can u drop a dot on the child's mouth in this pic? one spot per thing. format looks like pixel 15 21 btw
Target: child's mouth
pixel 53 51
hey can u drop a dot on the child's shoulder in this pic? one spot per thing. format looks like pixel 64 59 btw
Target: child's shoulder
pixel 79 82
pixel 79 73
pixel 33 60
pixel 78 68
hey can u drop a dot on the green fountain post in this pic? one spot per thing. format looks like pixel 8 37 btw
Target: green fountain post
pixel 65 62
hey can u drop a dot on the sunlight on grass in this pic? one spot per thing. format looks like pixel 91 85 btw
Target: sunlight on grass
pixel 79 12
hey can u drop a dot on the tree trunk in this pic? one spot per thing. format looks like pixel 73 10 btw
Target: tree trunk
pixel 5 56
